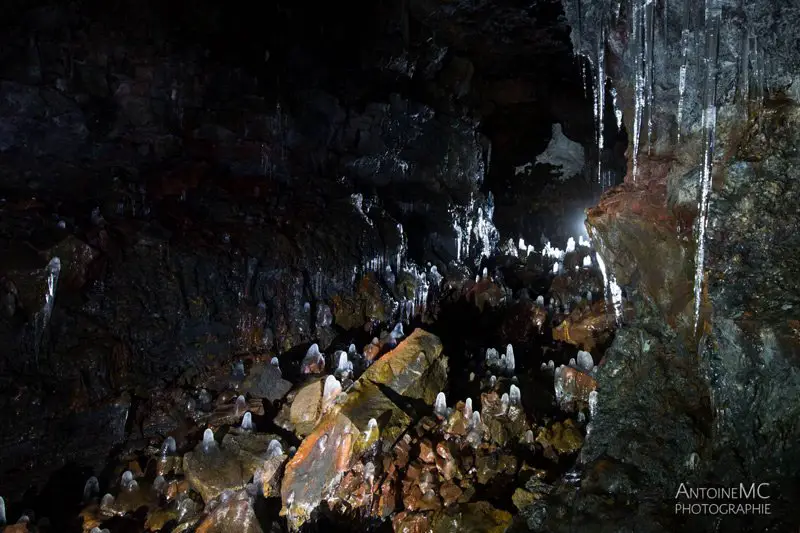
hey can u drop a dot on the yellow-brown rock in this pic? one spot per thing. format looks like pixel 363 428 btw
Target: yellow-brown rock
pixel 416 369
pixel 586 327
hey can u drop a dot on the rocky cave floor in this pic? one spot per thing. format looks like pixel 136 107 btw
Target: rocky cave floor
pixel 210 452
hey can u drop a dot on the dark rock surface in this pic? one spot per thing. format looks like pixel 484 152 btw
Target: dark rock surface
pixel 201 174
pixel 741 360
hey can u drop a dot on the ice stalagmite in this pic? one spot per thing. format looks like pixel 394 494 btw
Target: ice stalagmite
pixel 397 333
pixel 514 395
pixel 168 447
pixel 468 408
pixel 90 489
pixel 209 444
pixel 330 392
pixel 585 361
pixel 510 361
pixel 274 449
pixel 440 405
pixel 247 422
pixel 3 519
pixel 240 405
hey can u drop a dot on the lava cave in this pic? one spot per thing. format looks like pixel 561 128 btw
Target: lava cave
pixel 400 266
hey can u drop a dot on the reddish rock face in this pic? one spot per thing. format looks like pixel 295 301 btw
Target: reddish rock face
pixel 410 523
pixel 574 387
pixel 637 235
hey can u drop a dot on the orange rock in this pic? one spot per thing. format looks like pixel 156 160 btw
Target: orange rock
pixel 410 523
pixel 586 327
pixel 426 451
pixel 575 387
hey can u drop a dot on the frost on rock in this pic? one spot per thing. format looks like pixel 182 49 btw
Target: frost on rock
pixel 440 405
pixel 563 153
pixel 247 422
pixel 585 363
pixel 330 392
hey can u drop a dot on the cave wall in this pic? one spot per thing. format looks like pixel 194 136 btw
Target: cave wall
pixel 738 354
pixel 201 174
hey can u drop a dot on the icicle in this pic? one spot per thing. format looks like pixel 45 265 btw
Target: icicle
pixel 600 101
pixel 585 361
pixel 209 444
pixel 592 404
pixel 274 449
pixel 515 396
pixel 90 490
pixel 505 401
pixel 168 447
pixel 638 92
pixel 468 408
pixel 440 405
pixel 330 391
pixel 682 78
pixel 240 406
pixel 247 422
pixel 709 131
pixel 649 51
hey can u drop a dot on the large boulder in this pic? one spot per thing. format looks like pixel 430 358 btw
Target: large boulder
pixel 416 370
